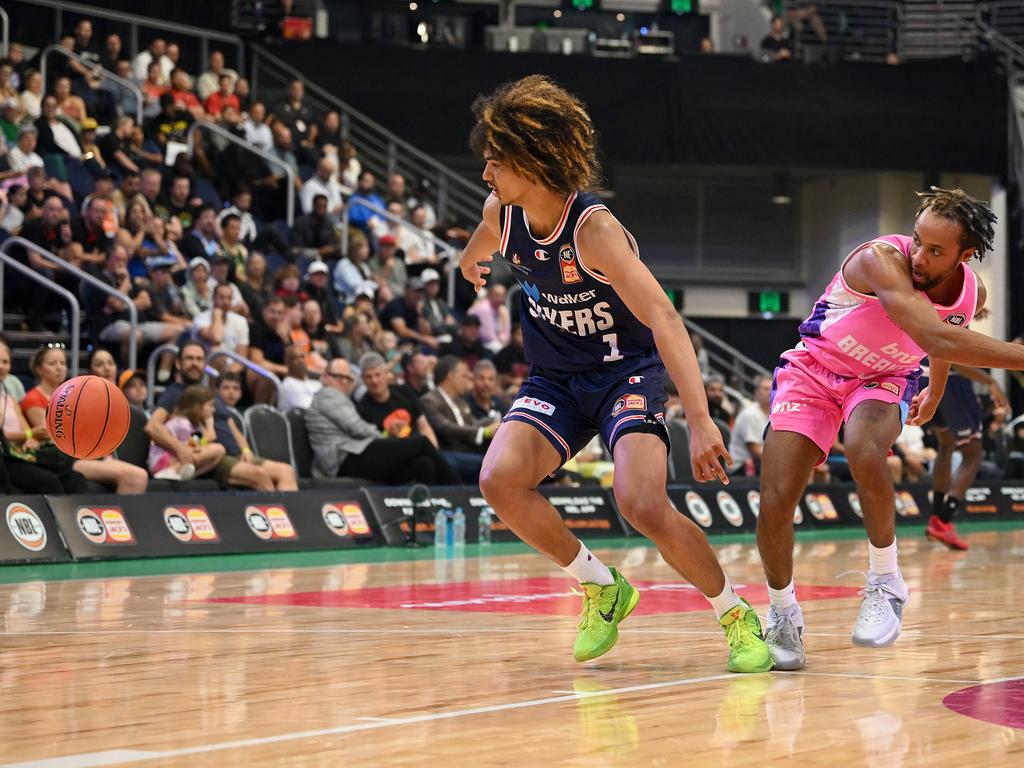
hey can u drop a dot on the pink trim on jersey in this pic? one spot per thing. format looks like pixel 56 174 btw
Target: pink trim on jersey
pixel 615 431
pixel 850 334
pixel 521 415
pixel 558 229
pixel 506 229
pixel 579 254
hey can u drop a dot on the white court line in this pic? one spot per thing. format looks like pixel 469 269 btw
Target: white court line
pixel 342 729
pixel 886 677
pixel 128 756
pixel 89 759
pixel 436 631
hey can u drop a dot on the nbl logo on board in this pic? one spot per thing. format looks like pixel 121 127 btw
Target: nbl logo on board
pixel 346 518
pixel 188 524
pixel 26 527
pixel 698 509
pixel 104 525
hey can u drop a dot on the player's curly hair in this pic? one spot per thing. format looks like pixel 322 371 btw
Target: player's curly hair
pixel 542 131
pixel 975 216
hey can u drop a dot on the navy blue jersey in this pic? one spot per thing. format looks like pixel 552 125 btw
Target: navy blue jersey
pixel 572 318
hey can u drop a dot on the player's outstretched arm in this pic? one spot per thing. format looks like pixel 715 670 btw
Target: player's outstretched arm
pixel 885 272
pixel 485 240
pixel 603 246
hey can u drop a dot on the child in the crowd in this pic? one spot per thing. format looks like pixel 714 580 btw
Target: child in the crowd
pixel 133 384
pixel 244 467
pixel 191 424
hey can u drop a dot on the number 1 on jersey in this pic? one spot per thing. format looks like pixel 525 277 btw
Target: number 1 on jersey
pixel 612 340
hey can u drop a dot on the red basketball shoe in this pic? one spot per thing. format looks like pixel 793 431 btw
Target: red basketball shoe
pixel 944 533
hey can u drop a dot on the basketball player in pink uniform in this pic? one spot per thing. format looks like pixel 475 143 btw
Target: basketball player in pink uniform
pixel 894 300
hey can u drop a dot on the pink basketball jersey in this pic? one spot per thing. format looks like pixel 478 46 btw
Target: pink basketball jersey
pixel 850 334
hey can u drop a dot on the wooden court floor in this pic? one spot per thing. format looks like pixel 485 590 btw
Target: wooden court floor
pixel 466 662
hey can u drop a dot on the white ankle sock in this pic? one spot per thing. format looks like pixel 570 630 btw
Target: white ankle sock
pixel 882 560
pixel 723 602
pixel 587 569
pixel 783 598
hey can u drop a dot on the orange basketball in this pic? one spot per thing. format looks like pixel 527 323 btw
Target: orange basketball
pixel 87 417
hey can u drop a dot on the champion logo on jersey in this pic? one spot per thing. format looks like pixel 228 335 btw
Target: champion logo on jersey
pixel 635 379
pixel 540 255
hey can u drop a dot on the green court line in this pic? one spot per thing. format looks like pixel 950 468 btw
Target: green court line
pixel 160 566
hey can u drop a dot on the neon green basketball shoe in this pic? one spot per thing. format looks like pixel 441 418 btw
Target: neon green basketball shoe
pixel 603 609
pixel 748 651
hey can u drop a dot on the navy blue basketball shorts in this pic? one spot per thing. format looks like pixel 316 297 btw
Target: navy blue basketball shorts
pixel 568 409
pixel 960 411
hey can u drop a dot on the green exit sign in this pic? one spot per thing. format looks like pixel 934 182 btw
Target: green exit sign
pixel 680 7
pixel 583 5
pixel 768 302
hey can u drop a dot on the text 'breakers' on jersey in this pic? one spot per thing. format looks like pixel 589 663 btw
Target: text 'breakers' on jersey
pixel 572 318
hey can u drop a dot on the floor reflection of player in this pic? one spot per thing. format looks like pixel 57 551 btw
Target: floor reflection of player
pixel 894 300
pixel 596 328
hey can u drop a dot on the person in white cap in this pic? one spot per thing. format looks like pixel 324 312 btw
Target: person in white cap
pixel 196 291
pixel 435 309
pixel 317 286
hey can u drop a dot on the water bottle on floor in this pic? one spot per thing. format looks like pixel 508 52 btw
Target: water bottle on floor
pixel 441 530
pixel 459 527
pixel 486 519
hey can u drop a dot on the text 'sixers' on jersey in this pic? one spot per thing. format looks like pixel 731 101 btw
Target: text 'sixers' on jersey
pixel 572 318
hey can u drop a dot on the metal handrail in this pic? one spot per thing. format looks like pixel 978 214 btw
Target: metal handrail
pixel 448 249
pixel 729 359
pixel 272 159
pixel 140 98
pixel 997 39
pixel 135 21
pixel 95 282
pixel 451 254
pixel 450 183
pixel 6 33
pixel 7 259
pixel 259 370
pixel 733 352
pixel 154 357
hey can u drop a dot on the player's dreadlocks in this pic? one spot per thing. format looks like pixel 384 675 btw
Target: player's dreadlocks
pixel 975 216
pixel 542 131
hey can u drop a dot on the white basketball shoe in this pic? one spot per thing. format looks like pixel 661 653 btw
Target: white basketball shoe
pixel 784 636
pixel 881 613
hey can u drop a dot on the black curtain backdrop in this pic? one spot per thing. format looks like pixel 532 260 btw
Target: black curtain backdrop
pixel 935 115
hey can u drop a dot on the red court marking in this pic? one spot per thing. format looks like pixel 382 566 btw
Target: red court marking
pixel 544 596
pixel 997 703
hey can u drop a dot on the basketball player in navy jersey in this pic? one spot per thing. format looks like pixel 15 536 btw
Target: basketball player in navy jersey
pixel 599 333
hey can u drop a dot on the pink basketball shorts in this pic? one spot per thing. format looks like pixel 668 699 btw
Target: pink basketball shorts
pixel 809 399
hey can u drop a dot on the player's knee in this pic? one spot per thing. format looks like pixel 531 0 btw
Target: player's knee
pixel 646 511
pixel 775 508
pixel 500 481
pixel 867 458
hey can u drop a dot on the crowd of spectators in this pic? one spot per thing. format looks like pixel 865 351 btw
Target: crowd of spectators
pixel 189 226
